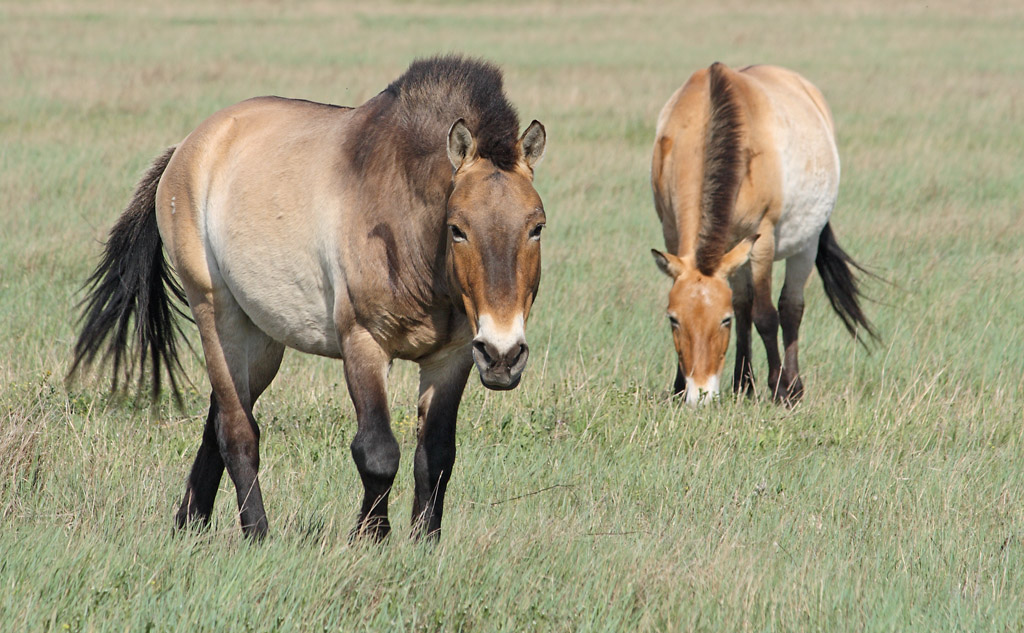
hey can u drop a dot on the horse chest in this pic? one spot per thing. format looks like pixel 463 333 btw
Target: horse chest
pixel 410 330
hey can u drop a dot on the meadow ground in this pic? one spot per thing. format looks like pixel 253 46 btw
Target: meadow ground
pixel 891 499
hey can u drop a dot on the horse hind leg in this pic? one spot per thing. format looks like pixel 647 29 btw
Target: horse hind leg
pixel 204 478
pixel 765 316
pixel 241 361
pixel 374 447
pixel 791 312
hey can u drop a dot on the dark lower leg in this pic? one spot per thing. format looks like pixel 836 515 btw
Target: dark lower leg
pixel 440 393
pixel 204 479
pixel 742 307
pixel 743 373
pixel 238 437
pixel 374 448
pixel 435 458
pixel 766 320
pixel 376 454
pixel 790 314
pixel 679 386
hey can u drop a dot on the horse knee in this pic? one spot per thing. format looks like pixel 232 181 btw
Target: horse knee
pixel 376 455
pixel 766 322
pixel 791 309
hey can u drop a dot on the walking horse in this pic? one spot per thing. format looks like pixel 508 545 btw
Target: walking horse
pixel 745 172
pixel 407 228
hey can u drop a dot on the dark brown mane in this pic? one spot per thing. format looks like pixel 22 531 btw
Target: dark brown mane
pixel 413 115
pixel 434 93
pixel 722 171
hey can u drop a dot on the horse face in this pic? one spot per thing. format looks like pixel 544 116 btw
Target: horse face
pixel 701 314
pixel 495 218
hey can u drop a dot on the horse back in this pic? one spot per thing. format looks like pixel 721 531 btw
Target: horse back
pixel 786 151
pixel 250 209
pixel 794 131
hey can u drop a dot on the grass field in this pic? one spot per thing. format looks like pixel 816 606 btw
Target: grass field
pixel 890 499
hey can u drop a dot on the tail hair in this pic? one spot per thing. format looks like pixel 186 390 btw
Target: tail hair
pixel 129 313
pixel 842 287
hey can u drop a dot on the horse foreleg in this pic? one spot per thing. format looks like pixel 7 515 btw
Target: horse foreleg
pixel 791 387
pixel 374 448
pixel 742 306
pixel 442 381
pixel 679 386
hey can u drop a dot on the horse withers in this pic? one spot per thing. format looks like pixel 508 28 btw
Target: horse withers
pixel 406 228
pixel 745 172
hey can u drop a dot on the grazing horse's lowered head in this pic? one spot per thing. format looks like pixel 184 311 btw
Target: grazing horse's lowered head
pixel 701 314
pixel 495 219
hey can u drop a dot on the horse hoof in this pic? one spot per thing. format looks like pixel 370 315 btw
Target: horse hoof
pixel 373 530
pixel 789 391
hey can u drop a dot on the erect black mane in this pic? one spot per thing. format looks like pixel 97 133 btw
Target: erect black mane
pixel 435 92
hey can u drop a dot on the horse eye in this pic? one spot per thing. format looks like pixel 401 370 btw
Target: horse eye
pixel 535 232
pixel 673 321
pixel 457 234
pixel 727 321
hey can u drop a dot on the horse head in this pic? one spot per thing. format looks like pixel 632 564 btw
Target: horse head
pixel 700 313
pixel 495 218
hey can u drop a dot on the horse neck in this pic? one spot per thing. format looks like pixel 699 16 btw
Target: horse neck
pixel 724 167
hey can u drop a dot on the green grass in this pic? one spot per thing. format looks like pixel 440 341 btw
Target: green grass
pixel 889 500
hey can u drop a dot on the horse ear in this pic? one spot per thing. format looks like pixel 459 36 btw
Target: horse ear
pixel 737 256
pixel 532 143
pixel 461 146
pixel 667 263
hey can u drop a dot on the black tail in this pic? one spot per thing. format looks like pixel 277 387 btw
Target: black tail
pixel 834 266
pixel 134 283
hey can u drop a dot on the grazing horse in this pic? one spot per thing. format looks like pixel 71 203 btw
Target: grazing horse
pixel 745 172
pixel 407 227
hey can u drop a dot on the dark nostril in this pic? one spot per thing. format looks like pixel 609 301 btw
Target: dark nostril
pixel 481 347
pixel 515 357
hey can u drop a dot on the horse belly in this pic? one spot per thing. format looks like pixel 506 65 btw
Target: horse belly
pixel 810 184
pixel 276 273
pixel 801 223
pixel 296 313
